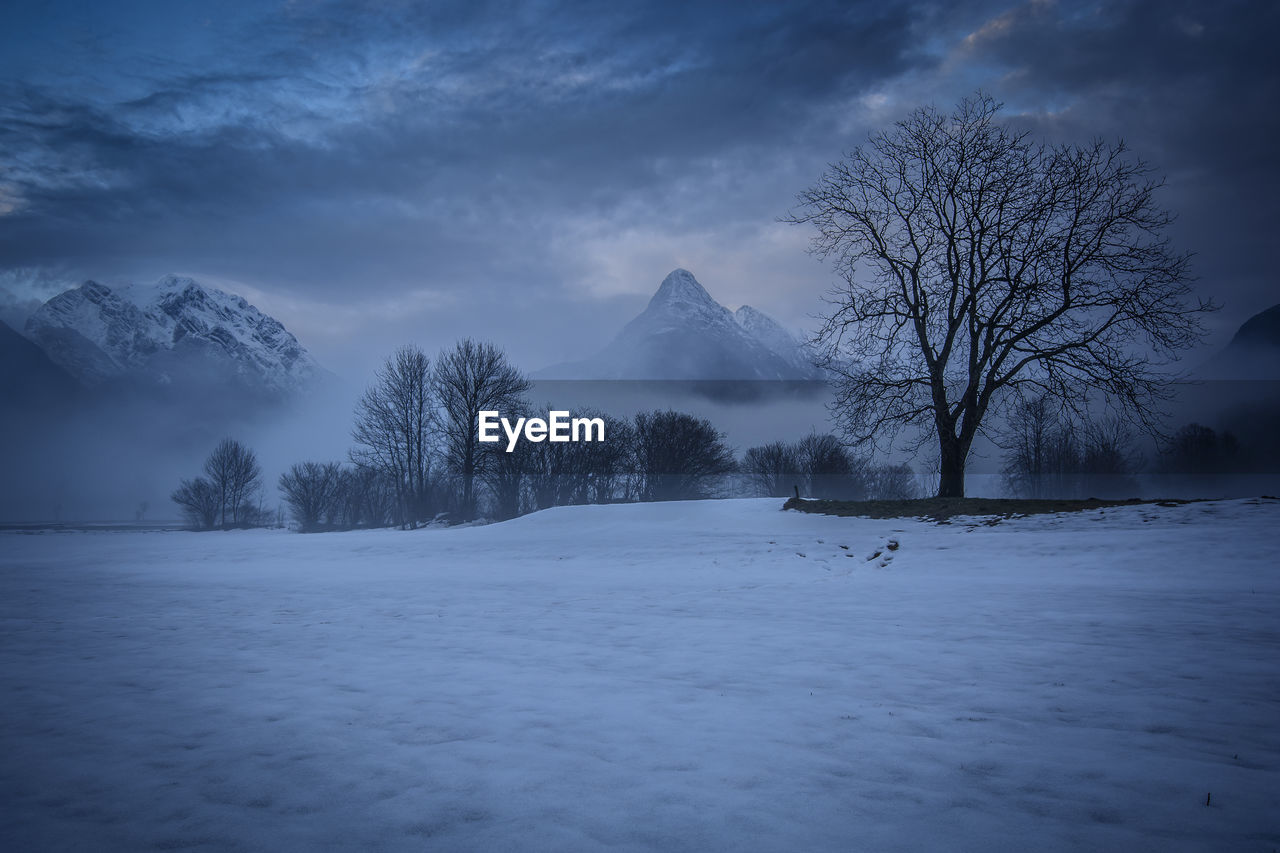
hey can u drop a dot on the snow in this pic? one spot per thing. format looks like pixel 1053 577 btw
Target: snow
pixel 701 676
pixel 685 334
pixel 770 332
pixel 98 333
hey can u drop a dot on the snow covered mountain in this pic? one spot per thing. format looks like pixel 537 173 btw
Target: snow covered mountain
pixel 685 334
pixel 770 332
pixel 176 332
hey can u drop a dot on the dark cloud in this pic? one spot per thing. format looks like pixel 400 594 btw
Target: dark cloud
pixel 1191 87
pixel 523 171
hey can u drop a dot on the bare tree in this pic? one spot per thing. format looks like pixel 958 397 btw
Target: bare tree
pixel 829 470
pixel 1040 452
pixel 365 498
pixel 1108 459
pixel 678 456
pixel 471 378
pixel 771 470
pixel 893 483
pixel 506 475
pixel 606 462
pixel 311 489
pixel 199 501
pixel 572 473
pixel 506 479
pixel 235 475
pixel 975 263
pixel 1049 456
pixel 556 473
pixel 1026 440
pixel 393 428
pixel 1198 449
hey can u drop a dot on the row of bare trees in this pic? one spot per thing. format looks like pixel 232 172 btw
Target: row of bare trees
pixel 333 496
pixel 819 466
pixel 655 456
pixel 417 454
pixel 1050 454
pixel 416 426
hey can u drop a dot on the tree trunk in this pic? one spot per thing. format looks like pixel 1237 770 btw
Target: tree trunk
pixel 951 473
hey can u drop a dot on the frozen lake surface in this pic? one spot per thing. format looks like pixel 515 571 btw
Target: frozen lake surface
pixel 703 676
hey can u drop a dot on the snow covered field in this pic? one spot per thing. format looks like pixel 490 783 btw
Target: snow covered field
pixel 706 676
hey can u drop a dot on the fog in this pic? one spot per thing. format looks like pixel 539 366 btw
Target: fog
pixel 109 457
pixel 408 173
pixel 117 454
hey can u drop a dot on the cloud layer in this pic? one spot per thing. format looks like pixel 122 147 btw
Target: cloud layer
pixel 377 173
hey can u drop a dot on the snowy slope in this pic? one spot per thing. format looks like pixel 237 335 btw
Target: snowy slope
pixel 176 331
pixel 770 332
pixel 684 333
pixel 696 676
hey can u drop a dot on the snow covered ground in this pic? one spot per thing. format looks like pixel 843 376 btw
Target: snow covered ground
pixel 705 676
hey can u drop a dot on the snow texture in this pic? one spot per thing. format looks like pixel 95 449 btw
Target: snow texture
pixel 176 330
pixel 699 676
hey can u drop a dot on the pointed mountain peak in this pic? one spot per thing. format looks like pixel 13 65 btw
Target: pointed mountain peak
pixel 685 334
pixel 681 287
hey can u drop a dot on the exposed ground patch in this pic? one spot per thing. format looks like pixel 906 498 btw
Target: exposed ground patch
pixel 941 509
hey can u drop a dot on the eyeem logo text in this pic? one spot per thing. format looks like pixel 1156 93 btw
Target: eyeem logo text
pixel 558 426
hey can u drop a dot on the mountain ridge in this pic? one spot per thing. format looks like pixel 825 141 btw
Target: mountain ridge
pixel 172 332
pixel 685 334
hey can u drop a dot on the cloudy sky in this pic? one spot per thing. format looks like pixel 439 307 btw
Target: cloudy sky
pixel 382 172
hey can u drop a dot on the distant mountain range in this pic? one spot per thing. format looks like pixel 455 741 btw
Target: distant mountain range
pixel 685 334
pixel 175 334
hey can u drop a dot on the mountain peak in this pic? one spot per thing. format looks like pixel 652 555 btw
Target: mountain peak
pixel 680 288
pixel 172 281
pixel 685 334
pixel 176 330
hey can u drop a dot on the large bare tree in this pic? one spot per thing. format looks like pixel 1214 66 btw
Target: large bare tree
pixel 978 264
pixel 471 378
pixel 393 431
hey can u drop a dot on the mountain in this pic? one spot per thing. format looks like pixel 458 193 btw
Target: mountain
pixel 28 378
pixel 1254 351
pixel 174 333
pixel 685 334
pixel 770 332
